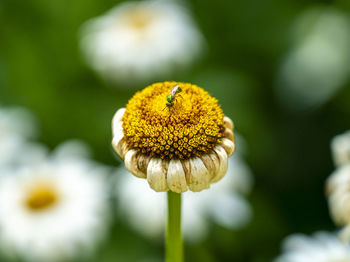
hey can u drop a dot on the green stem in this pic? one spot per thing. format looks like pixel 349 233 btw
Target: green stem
pixel 174 243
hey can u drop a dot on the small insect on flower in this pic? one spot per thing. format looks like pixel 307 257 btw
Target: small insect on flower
pixel 171 96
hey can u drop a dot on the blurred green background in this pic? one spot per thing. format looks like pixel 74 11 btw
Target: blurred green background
pixel 41 68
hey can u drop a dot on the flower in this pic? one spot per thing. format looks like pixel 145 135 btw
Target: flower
pixel 318 64
pixel 321 247
pixel 224 204
pixel 141 41
pixel 53 210
pixel 341 149
pixel 184 146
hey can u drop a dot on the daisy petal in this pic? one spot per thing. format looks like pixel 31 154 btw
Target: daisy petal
pixel 156 175
pixel 222 156
pixel 228 145
pixel 117 121
pixel 176 177
pixel 197 175
pixel 228 123
pixel 211 162
pixel 130 160
pixel 229 134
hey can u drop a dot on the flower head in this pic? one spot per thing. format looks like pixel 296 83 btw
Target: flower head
pixel 321 247
pixel 182 145
pixel 141 41
pixel 51 211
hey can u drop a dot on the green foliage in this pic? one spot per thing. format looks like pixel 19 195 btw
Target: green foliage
pixel 41 68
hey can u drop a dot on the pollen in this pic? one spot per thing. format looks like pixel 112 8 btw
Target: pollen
pixel 40 197
pixel 193 124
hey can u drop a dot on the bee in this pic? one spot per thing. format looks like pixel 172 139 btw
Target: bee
pixel 171 96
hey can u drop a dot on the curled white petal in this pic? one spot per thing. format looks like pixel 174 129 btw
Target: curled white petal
pixel 131 163
pixel 228 122
pixel 117 144
pixel 222 157
pixel 156 175
pixel 228 133
pixel 117 121
pixel 228 145
pixel 211 162
pixel 198 176
pixel 176 177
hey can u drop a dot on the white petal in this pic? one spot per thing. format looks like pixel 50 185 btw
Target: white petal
pixel 119 114
pixel 117 143
pixel 176 177
pixel 228 122
pixel 117 128
pixel 211 162
pixel 198 176
pixel 131 163
pixel 228 133
pixel 156 174
pixel 222 157
pixel 228 145
pixel 118 132
pixel 117 121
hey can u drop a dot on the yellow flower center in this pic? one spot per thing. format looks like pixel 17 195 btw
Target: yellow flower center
pixel 139 18
pixel 41 196
pixel 190 125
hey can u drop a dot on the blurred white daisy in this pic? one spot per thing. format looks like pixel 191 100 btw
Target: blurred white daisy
pixel 55 210
pixel 223 203
pixel 321 247
pixel 136 42
pixel 319 62
pixel 341 149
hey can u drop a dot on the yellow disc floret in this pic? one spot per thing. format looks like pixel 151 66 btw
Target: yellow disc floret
pixel 191 126
pixel 40 197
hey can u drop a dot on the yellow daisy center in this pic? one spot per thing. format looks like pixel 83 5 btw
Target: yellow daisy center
pixel 40 197
pixel 139 18
pixel 190 125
